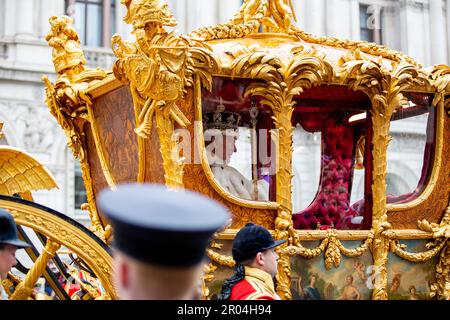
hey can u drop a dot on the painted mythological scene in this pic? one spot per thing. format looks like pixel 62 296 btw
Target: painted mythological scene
pixel 410 281
pixel 350 281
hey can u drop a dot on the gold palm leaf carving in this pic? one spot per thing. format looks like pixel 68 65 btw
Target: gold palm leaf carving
pixel 21 173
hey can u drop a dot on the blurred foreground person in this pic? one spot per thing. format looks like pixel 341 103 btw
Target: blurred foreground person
pixel 256 265
pixel 160 238
pixel 9 243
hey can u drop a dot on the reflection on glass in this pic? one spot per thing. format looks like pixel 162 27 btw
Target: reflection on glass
pixel 80 190
pixel 237 141
pixel 333 123
pixel 410 151
pixel 305 166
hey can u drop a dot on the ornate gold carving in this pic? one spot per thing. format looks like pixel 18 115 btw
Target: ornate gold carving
pixel 298 249
pixel 100 88
pixel 441 80
pixel 405 234
pixel 441 289
pixel 362 46
pixel 104 233
pixel 282 81
pixel 68 236
pixel 2 135
pixel 68 57
pixel 208 276
pixel 384 87
pixel 205 165
pixel 20 172
pixel 273 15
pixel 69 103
pixel 25 288
pixel 399 250
pixel 10 283
pixel 332 248
pixel 220 259
pixel 441 232
pixel 160 66
pixel 277 15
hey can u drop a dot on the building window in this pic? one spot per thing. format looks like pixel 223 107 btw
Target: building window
pixel 370 23
pixel 80 190
pixel 94 20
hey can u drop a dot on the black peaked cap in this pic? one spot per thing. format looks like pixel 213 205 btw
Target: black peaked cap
pixel 8 231
pixel 252 239
pixel 162 226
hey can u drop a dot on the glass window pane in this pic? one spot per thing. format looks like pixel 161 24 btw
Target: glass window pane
pixel 238 142
pixel 112 21
pixel 410 151
pixel 329 148
pixel 306 167
pixel 94 25
pixel 80 21
pixel 366 35
pixel 80 190
pixel 363 16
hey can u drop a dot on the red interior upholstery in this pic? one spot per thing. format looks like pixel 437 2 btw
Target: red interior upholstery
pixel 331 206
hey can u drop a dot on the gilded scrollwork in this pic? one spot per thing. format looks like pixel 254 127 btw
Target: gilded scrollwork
pixel 332 248
pixel 208 276
pixel 25 288
pixel 220 259
pixel 272 15
pixel 308 253
pixel 63 233
pixel 362 46
pixel 16 166
pixel 400 250
pixel 441 288
pixel 384 86
pixel 441 234
pixel 283 80
pixel 69 104
pixel 277 16
pixel 440 76
pixel 160 66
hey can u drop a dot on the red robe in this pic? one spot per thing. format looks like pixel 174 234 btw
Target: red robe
pixel 257 285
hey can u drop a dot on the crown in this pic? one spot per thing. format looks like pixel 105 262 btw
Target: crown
pixel 221 119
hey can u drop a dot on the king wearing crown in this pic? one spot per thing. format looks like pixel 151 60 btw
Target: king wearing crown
pixel 221 133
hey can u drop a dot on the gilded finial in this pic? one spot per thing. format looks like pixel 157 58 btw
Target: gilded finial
pixel 67 52
pixel 272 15
pixel 2 135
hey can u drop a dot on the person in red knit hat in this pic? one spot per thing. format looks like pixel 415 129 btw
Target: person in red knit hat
pixel 256 265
